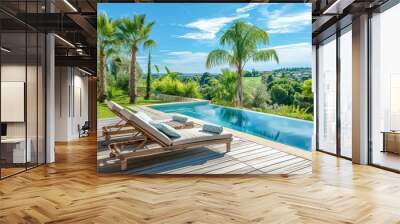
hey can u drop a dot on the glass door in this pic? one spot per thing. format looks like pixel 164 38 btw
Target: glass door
pixel 385 90
pixel 346 92
pixel 327 96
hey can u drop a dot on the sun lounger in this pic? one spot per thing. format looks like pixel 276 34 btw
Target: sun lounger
pixel 123 128
pixel 150 136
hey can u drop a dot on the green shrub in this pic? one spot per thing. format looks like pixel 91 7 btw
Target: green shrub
pixel 191 89
pixel 280 95
pixel 172 86
pixel 223 89
pixel 122 82
pixel 288 111
pixel 261 97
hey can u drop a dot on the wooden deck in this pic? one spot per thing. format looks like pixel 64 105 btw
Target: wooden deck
pixel 246 157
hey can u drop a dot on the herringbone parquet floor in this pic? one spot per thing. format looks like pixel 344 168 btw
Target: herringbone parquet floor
pixel 70 191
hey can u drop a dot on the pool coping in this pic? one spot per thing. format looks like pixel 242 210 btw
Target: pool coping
pixel 275 145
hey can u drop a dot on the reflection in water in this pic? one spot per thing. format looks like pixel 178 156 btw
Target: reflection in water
pixel 235 117
pixel 288 131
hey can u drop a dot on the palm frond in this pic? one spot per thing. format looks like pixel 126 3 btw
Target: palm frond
pixel 265 55
pixel 150 43
pixel 167 70
pixel 157 69
pixel 218 57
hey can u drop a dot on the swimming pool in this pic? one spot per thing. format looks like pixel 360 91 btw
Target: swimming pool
pixel 293 132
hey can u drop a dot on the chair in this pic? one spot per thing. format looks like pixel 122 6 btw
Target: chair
pixel 84 130
pixel 193 137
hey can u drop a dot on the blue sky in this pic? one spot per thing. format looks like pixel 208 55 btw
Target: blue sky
pixel 185 33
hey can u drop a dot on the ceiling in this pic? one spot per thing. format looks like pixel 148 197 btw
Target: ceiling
pixel 74 22
pixel 330 15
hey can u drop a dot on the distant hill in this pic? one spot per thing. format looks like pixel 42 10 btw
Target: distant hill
pixel 302 73
pixel 297 72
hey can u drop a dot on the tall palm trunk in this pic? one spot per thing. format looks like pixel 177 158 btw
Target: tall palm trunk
pixel 102 76
pixel 148 80
pixel 239 88
pixel 133 92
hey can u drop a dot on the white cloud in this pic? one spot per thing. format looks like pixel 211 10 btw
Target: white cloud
pixel 179 53
pixel 208 28
pixel 248 7
pixel 291 46
pixel 289 24
pixel 290 55
pixel 286 21
pixel 188 62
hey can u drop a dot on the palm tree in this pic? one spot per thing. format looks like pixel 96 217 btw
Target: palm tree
pixel 105 35
pixel 243 40
pixel 134 32
pixel 149 44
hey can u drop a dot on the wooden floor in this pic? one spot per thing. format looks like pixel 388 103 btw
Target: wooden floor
pixel 70 191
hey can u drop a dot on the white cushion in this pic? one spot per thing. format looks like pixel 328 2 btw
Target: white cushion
pixel 192 135
pixel 146 126
pixel 166 129
pixel 213 128
pixel 179 118
pixel 144 116
pixel 114 106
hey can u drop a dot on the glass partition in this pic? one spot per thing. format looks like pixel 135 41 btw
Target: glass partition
pixel 346 92
pixel 13 92
pixel 22 94
pixel 327 95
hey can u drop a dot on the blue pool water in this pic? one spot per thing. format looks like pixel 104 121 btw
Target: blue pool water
pixel 293 132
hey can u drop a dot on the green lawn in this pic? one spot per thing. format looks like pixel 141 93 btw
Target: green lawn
pixel 251 83
pixel 123 100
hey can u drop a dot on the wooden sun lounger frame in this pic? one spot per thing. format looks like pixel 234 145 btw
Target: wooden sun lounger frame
pixel 144 138
pixel 122 127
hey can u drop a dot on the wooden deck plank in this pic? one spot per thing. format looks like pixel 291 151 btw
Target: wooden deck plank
pixel 210 163
pixel 243 170
pixel 263 164
pixel 296 167
pixel 258 154
pixel 228 169
pixel 281 166
pixel 286 167
pixel 181 160
pixel 217 166
pixel 257 162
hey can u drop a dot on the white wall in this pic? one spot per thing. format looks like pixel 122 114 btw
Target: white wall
pixel 71 102
pixel 12 73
